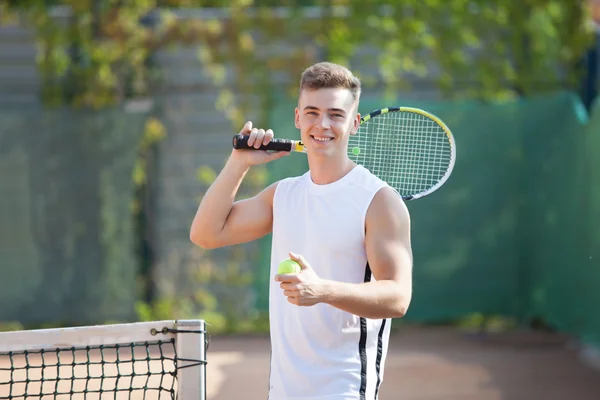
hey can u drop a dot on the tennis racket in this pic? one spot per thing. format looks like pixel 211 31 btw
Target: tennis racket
pixel 412 150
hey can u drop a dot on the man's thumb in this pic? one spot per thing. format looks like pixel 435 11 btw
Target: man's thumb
pixel 299 259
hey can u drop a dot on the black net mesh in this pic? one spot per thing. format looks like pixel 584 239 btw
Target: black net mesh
pixel 138 370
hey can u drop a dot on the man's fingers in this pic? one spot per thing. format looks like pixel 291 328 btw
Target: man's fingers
pixel 258 141
pixel 252 136
pixel 286 278
pixel 268 137
pixel 256 137
pixel 247 128
pixel 299 259
pixel 286 285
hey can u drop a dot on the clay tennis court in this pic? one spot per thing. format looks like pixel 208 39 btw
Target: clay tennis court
pixel 432 364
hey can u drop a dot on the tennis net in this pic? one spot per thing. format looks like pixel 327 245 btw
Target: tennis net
pixel 143 360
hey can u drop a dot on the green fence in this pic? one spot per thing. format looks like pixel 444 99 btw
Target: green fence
pixel 561 228
pixel 515 231
pixel 67 254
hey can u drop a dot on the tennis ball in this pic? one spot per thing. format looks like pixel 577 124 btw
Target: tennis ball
pixel 356 151
pixel 288 266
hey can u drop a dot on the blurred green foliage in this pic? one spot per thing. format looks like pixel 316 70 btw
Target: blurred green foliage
pixel 98 54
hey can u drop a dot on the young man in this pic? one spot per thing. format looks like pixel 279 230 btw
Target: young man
pixel 349 231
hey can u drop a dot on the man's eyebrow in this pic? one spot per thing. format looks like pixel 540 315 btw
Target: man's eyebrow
pixel 330 109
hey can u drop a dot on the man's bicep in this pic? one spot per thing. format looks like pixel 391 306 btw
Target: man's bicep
pixel 388 241
pixel 251 218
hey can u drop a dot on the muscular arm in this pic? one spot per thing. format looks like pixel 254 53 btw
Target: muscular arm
pixel 390 259
pixel 220 222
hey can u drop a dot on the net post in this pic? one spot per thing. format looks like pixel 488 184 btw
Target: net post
pixel 191 359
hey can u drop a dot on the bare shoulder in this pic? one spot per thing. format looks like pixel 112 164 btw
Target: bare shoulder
pixel 388 211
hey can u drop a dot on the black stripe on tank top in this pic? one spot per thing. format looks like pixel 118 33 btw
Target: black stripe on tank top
pixel 362 345
pixel 379 355
pixel 362 349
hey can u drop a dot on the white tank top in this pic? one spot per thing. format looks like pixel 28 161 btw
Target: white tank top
pixel 322 352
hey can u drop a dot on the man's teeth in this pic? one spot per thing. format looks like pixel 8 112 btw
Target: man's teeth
pixel 322 139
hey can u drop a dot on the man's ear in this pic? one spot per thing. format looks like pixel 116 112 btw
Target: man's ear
pixel 356 124
pixel 297 118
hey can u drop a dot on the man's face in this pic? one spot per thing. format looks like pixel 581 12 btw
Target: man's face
pixel 326 117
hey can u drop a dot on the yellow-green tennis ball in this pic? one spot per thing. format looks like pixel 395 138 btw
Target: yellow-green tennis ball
pixel 356 151
pixel 288 266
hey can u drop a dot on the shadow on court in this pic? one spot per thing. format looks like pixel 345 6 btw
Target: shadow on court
pixel 431 364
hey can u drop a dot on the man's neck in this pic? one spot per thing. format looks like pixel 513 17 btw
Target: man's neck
pixel 324 171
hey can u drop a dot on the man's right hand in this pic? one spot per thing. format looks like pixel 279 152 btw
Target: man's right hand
pixel 257 138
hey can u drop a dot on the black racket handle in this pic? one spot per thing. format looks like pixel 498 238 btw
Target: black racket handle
pixel 241 142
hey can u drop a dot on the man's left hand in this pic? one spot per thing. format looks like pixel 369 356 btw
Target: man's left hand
pixel 304 288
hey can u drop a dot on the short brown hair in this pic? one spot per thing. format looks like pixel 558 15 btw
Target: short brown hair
pixel 329 75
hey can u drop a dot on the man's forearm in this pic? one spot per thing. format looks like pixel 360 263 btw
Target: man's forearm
pixel 375 300
pixel 217 202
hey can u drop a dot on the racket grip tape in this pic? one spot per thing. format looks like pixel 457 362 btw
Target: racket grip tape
pixel 241 142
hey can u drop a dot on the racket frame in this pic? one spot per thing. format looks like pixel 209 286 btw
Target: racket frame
pixel 441 124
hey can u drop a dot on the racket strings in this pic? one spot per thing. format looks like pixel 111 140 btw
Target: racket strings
pixel 409 151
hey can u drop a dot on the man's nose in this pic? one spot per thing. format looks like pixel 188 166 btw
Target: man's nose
pixel 325 123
